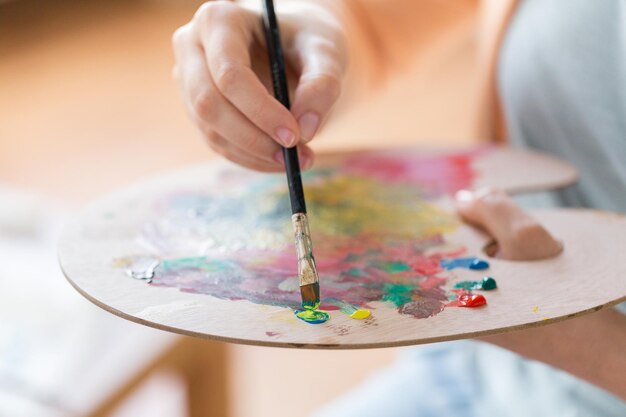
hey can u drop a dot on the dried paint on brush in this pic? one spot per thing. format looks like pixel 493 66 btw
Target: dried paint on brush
pixel 381 237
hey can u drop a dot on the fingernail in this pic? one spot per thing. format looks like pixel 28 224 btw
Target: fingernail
pixel 286 136
pixel 464 196
pixel 309 123
pixel 278 157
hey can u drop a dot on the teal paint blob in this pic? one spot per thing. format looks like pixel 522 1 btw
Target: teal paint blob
pixel 468 263
pixel 196 262
pixel 398 294
pixel 486 284
pixel 489 284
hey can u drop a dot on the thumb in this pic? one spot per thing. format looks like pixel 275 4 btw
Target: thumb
pixel 319 86
pixel 517 235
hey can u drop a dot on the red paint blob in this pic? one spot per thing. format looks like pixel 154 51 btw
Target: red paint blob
pixel 468 299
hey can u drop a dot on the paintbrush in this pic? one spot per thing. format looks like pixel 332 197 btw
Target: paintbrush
pixel 307 271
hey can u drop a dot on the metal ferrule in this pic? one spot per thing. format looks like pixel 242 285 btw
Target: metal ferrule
pixel 304 249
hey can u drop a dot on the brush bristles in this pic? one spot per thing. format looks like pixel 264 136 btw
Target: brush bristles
pixel 310 295
pixel 307 271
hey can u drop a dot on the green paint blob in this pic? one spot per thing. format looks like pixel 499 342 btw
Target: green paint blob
pixel 312 314
pixel 398 294
pixel 487 284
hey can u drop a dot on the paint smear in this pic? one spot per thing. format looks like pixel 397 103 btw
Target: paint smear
pixel 352 311
pixel 379 236
pixel 486 284
pixel 422 308
pixel 467 263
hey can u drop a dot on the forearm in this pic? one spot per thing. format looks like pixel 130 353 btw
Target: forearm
pixel 591 347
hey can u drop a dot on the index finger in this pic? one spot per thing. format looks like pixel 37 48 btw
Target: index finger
pixel 226 40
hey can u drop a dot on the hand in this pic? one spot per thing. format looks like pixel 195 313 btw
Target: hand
pixel 571 345
pixel 223 73
pixel 517 235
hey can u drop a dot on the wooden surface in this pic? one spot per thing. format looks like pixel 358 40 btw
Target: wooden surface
pixel 586 277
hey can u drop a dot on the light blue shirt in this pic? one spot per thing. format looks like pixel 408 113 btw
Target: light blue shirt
pixel 562 79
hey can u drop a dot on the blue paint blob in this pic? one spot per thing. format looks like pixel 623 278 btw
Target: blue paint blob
pixel 468 263
pixel 479 264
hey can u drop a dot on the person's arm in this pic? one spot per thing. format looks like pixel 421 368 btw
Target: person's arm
pixel 591 347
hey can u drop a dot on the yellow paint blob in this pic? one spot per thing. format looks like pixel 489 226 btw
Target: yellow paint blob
pixel 535 309
pixel 361 313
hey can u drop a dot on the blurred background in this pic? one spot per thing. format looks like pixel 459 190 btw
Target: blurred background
pixel 87 105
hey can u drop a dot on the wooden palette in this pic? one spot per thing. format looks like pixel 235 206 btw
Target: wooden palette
pixel 175 218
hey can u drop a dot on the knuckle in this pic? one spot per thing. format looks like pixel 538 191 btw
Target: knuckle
pixel 180 36
pixel 204 105
pixel 327 47
pixel 326 85
pixel 204 11
pixel 260 114
pixel 251 143
pixel 214 141
pixel 332 86
pixel 227 76
pixel 206 130
pixel 212 11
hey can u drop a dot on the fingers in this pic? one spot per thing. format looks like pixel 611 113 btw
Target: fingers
pixel 239 117
pixel 225 37
pixel 235 154
pixel 213 113
pixel 519 236
pixel 322 67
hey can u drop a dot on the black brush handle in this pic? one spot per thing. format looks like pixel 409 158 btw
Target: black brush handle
pixel 281 92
